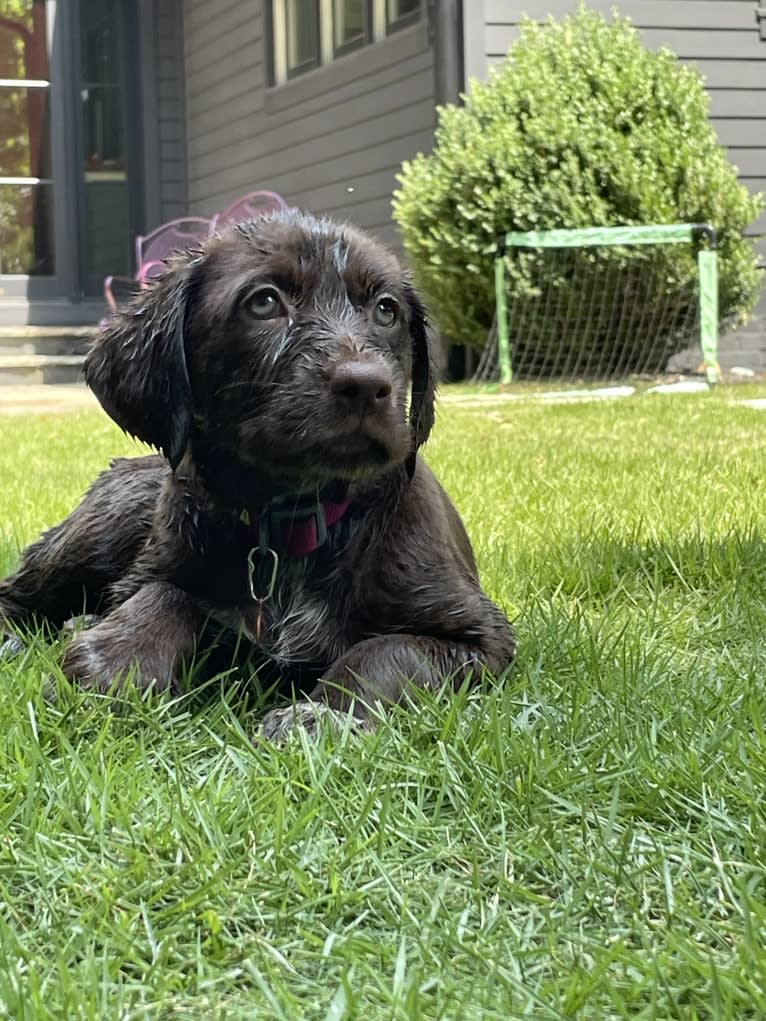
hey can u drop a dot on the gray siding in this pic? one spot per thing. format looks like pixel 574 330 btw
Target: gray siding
pixel 330 141
pixel 170 110
pixel 163 117
pixel 719 37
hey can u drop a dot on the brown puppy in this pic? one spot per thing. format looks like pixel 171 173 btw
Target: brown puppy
pixel 273 370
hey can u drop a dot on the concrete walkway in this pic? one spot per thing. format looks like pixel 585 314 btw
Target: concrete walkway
pixel 45 399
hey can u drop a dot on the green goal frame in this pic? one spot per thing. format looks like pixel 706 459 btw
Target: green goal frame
pixel 660 234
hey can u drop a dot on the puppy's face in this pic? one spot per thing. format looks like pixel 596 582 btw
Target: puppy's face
pixel 300 353
pixel 286 351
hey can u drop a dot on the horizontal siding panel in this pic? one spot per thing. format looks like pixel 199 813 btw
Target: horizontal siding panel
pixel 204 77
pixel 232 22
pixel 167 92
pixel 346 126
pixel 354 67
pixel 249 99
pixel 720 14
pixel 217 53
pixel 740 74
pixel 165 47
pixel 172 210
pixel 173 172
pixel 170 109
pixel 378 184
pixel 749 161
pixel 168 89
pixel 207 124
pixel 171 151
pixel 201 15
pixel 362 111
pixel 734 131
pixel 228 92
pixel 324 146
pixel 738 102
pixel 375 81
pixel 171 129
pixel 343 172
pixel 685 43
pixel 347 169
pixel 388 235
pixel 376 212
pixel 731 74
pixel 702 43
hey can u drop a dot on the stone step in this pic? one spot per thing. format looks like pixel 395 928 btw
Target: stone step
pixel 43 354
pixel 45 340
pixel 16 370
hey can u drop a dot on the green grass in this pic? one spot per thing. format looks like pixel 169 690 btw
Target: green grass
pixel 586 841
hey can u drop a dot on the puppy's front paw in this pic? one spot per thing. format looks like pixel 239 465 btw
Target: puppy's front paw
pixel 99 661
pixel 278 724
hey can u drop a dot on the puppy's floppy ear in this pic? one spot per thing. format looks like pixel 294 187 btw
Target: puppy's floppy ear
pixel 137 366
pixel 423 381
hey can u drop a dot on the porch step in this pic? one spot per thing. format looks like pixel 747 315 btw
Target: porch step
pixel 43 354
pixel 14 371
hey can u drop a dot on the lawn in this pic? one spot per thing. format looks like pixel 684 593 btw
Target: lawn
pixel 586 841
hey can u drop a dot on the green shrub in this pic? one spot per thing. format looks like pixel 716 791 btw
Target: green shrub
pixel 581 126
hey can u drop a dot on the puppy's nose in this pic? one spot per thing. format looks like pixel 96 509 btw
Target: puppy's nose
pixel 361 387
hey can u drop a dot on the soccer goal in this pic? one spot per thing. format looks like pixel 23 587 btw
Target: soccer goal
pixel 602 304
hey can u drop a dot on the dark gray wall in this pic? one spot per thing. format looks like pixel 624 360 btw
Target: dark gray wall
pixel 331 140
pixel 719 37
pixel 165 189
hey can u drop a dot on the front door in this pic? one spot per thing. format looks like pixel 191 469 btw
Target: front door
pixel 69 159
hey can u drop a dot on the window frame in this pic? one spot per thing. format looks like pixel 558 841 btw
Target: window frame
pixel 396 24
pixel 377 29
pixel 316 59
pixel 356 44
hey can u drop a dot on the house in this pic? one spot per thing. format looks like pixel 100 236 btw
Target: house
pixel 116 115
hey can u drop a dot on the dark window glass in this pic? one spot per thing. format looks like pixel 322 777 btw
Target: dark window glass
pixel 349 23
pixel 108 240
pixel 398 10
pixel 23 44
pixel 302 28
pixel 26 215
pixel 26 229
pixel 24 132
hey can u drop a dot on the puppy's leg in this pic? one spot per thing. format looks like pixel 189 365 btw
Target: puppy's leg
pixel 147 637
pixel 380 671
pixel 67 570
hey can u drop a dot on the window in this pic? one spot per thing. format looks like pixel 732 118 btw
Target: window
pixel 302 34
pixel 401 11
pixel 103 61
pixel 350 24
pixel 26 176
pixel 309 33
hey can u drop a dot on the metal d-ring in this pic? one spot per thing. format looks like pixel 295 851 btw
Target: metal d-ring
pixel 260 600
pixel 263 552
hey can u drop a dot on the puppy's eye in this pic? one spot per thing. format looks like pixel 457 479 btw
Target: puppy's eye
pixel 265 303
pixel 385 313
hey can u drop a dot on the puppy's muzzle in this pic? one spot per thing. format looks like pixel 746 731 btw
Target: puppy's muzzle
pixel 362 388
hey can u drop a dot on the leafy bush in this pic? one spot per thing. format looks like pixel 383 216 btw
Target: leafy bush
pixel 581 126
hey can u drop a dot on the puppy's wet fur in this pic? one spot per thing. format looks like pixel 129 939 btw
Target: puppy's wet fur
pixel 284 365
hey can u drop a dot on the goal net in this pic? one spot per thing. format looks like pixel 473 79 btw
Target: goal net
pixel 602 304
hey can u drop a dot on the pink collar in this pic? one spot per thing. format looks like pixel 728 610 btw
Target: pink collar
pixel 295 530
